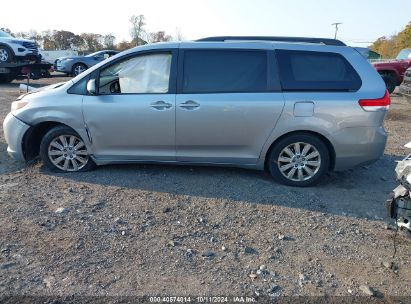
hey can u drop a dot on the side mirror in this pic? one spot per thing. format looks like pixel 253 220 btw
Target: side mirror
pixel 91 87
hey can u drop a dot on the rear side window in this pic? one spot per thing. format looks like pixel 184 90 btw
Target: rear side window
pixel 219 71
pixel 316 71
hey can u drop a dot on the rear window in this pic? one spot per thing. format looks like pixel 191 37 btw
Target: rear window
pixel 219 71
pixel 316 71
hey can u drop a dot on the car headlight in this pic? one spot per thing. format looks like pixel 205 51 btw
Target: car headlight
pixel 16 105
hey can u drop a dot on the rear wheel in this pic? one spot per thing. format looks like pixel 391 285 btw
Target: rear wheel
pixel 299 160
pixel 63 150
pixel 390 82
pixel 5 54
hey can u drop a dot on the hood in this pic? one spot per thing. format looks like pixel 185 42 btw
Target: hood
pixel 45 88
pixel 17 40
pixel 72 57
pixel 392 62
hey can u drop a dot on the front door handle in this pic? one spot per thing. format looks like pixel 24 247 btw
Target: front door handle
pixel 189 105
pixel 161 105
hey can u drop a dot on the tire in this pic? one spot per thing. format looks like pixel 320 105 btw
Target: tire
pixel 6 55
pixel 390 82
pixel 6 78
pixel 78 68
pixel 302 169
pixel 58 151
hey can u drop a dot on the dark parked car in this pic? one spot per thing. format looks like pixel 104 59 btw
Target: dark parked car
pixel 392 71
pixel 77 65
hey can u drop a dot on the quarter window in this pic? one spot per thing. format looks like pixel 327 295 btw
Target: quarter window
pixel 219 71
pixel 142 74
pixel 316 71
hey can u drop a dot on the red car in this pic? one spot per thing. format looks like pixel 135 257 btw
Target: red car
pixel 392 71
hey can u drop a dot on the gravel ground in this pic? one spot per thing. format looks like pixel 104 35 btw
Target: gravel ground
pixel 169 230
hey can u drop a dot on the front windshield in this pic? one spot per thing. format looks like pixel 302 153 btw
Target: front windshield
pixel 93 54
pixel 404 54
pixel 4 34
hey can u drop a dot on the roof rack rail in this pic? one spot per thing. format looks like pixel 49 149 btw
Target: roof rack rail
pixel 326 41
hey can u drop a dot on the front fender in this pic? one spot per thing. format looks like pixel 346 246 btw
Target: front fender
pixel 62 108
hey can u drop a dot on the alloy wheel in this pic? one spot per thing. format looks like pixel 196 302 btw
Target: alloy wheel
pixel 299 161
pixel 4 55
pixel 79 69
pixel 68 153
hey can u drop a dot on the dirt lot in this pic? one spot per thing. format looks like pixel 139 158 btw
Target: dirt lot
pixel 168 230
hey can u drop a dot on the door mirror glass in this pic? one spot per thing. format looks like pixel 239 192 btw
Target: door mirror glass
pixel 91 87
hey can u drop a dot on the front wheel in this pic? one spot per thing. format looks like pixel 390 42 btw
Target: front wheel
pixel 78 68
pixel 63 150
pixel 299 160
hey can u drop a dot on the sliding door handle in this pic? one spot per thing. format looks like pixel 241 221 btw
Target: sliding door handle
pixel 161 105
pixel 189 105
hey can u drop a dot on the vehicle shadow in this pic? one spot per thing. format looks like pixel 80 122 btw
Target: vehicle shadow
pixel 359 192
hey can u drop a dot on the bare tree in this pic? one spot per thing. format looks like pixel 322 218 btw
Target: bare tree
pixel 7 30
pixel 179 35
pixel 109 40
pixel 36 36
pixel 159 37
pixel 137 30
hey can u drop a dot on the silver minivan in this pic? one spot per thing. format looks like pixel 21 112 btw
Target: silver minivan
pixel 297 107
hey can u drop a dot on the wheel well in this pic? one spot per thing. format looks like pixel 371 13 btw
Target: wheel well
pixel 388 73
pixel 9 48
pixel 393 74
pixel 328 144
pixel 33 137
pixel 80 63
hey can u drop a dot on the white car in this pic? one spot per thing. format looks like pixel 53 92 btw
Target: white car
pixel 17 49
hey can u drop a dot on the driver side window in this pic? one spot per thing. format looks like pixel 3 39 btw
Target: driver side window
pixel 143 74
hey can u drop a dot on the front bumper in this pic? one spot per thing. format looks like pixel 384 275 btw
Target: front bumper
pixel 358 146
pixel 14 130
pixel 64 68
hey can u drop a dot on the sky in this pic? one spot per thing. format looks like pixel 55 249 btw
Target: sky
pixel 363 21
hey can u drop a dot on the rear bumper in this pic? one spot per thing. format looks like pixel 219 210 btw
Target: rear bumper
pixel 14 130
pixel 358 146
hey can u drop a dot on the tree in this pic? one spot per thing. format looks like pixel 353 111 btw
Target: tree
pixel 179 35
pixel 125 45
pixel 159 37
pixel 48 42
pixel 63 39
pixel 92 42
pixel 23 35
pixel 390 46
pixel 137 30
pixel 404 37
pixel 109 40
pixel 7 30
pixel 77 43
pixel 36 36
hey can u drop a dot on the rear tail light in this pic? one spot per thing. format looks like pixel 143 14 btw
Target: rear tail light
pixel 376 104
